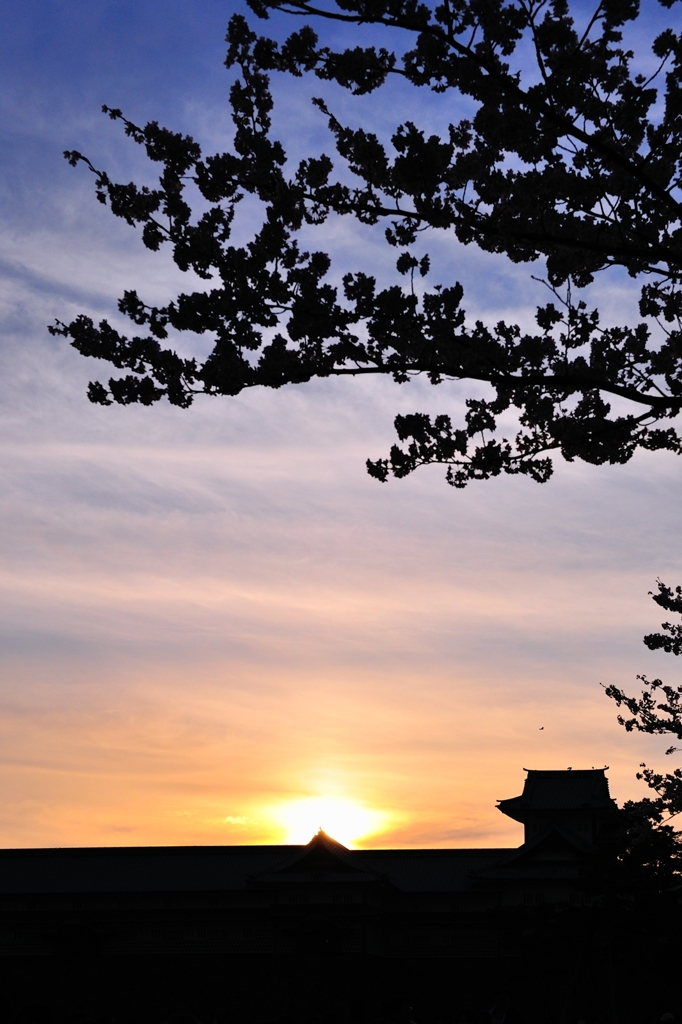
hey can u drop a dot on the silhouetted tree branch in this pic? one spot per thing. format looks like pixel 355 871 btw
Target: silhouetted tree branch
pixel 570 156
pixel 652 846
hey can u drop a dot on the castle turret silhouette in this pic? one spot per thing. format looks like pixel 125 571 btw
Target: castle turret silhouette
pixel 575 801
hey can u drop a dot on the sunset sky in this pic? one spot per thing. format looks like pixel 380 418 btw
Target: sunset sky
pixel 216 628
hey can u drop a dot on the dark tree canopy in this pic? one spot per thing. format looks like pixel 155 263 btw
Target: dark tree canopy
pixel 570 155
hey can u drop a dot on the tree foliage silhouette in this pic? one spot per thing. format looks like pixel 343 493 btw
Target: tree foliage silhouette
pixel 570 155
pixel 653 847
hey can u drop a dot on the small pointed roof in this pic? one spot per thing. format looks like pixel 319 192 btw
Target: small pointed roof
pixel 565 790
pixel 322 859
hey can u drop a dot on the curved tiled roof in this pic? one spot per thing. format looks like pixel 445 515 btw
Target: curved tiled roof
pixel 560 791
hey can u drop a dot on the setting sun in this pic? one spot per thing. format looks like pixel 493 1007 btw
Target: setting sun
pixel 343 820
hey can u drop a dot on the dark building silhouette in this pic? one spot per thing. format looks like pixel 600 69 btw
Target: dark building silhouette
pixel 316 898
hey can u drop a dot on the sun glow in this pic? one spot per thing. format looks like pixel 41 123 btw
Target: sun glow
pixel 343 820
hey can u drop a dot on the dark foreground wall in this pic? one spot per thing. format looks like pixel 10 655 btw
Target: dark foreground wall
pixel 619 966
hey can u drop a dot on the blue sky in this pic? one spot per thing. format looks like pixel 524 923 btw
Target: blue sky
pixel 211 614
